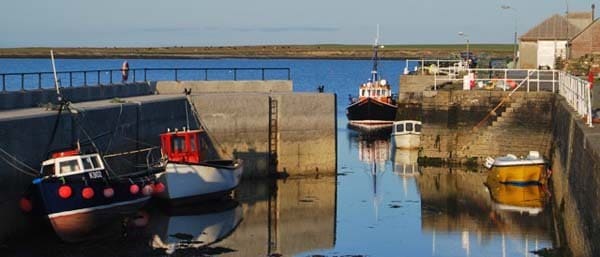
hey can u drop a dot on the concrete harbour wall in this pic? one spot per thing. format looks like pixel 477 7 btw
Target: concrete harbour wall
pixel 576 182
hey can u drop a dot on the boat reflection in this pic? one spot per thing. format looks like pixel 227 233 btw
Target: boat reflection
pixel 457 202
pixel 528 199
pixel 405 161
pixel 194 226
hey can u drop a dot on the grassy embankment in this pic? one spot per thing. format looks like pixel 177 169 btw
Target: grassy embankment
pixel 329 51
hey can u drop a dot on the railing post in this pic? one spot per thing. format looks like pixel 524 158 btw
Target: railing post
pixel 505 80
pixel 176 74
pixel 234 74
pixel 553 80
pixel 145 78
pixel 205 74
pixel 133 75
pixel 3 83
pixel 289 75
pixel 85 79
pixel 39 80
pixel 528 78
pixel 22 81
pixel 111 77
pixel 538 80
pixel 99 83
pixel 70 79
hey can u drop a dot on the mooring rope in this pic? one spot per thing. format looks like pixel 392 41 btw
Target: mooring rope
pixel 201 125
pixel 31 171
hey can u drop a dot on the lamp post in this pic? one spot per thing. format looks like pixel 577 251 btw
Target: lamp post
pixel 507 7
pixel 468 54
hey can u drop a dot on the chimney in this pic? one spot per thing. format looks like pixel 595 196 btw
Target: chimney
pixel 593 12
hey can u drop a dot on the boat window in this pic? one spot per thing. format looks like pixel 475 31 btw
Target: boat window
pixel 87 164
pixel 48 170
pixel 96 161
pixel 363 92
pixel 69 166
pixel 193 143
pixel 409 127
pixel 400 128
pixel 418 127
pixel 178 144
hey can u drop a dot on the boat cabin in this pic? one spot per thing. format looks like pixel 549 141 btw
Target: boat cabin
pixel 72 163
pixel 407 127
pixel 379 89
pixel 182 146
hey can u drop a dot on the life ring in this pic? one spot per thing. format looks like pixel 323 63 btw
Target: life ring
pixel 125 71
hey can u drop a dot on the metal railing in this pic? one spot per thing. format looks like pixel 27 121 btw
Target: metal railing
pixel 40 80
pixel 504 79
pixel 421 63
pixel 577 92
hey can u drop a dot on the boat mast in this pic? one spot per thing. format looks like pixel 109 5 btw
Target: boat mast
pixel 55 77
pixel 374 76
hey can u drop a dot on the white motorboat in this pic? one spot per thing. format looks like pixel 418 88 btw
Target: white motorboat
pixel 188 176
pixel 407 134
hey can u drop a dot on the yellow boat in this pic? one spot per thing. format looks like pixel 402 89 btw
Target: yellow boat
pixel 513 170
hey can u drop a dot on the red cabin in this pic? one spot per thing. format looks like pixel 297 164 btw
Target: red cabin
pixel 182 146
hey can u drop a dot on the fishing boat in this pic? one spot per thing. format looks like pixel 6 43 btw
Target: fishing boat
pixel 77 193
pixel 515 170
pixel 375 106
pixel 188 175
pixel 407 134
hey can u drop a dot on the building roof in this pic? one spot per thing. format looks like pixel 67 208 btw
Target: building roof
pixel 553 28
pixel 584 29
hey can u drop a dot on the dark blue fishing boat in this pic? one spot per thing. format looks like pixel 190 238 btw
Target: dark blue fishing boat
pixel 77 194
pixel 375 106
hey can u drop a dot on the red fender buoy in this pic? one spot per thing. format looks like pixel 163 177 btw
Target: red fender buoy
pixel 87 193
pixel 65 191
pixel 25 204
pixel 159 187
pixel 108 192
pixel 147 190
pixel 134 189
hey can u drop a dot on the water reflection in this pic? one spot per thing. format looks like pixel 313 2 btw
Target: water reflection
pixel 456 206
pixel 194 226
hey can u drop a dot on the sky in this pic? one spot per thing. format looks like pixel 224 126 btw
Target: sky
pixel 124 23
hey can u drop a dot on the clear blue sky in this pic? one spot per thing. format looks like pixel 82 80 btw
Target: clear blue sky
pixel 254 22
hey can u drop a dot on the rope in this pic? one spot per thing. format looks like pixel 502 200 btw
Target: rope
pixel 116 129
pixel 18 168
pixel 200 124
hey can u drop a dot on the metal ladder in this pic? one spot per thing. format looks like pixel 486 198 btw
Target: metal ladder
pixel 273 131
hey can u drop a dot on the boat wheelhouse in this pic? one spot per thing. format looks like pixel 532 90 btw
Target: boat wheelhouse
pixel 188 175
pixel 407 134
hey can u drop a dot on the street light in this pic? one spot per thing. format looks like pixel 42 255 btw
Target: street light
pixel 468 54
pixel 507 7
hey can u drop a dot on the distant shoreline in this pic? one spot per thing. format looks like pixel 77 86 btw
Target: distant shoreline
pixel 333 52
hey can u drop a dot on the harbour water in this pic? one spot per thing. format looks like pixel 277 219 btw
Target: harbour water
pixel 379 204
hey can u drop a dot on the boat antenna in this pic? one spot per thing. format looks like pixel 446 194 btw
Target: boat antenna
pixel 59 96
pixel 376 46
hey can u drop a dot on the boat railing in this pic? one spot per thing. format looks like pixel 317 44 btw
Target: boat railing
pixel 502 79
pixel 41 80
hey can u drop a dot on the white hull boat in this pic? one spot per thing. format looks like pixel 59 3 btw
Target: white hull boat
pixel 407 134
pixel 207 180
pixel 190 174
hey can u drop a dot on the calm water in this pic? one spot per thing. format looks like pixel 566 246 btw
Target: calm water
pixel 380 204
